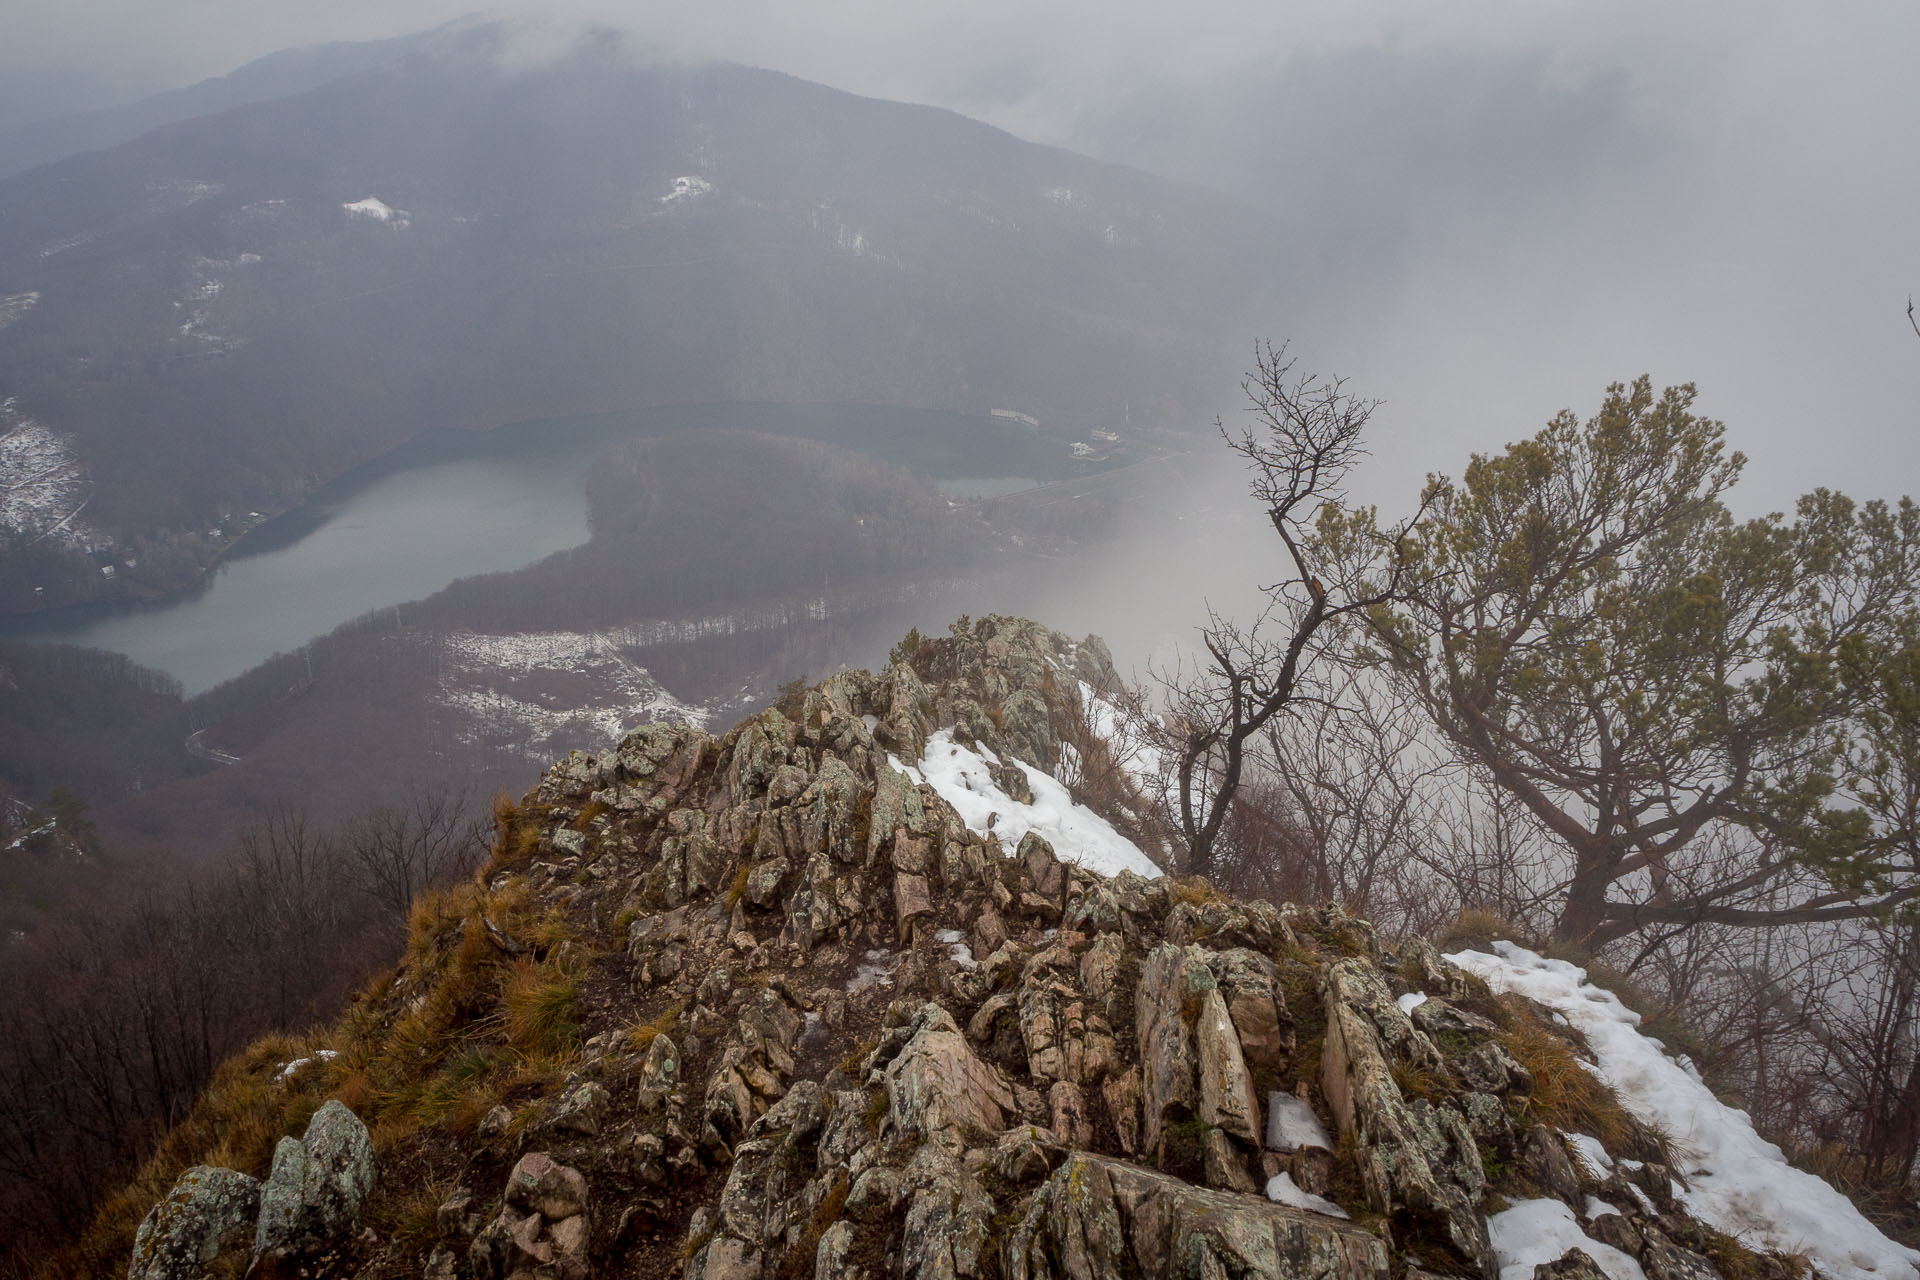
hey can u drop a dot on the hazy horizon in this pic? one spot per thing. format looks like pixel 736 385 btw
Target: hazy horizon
pixel 1494 212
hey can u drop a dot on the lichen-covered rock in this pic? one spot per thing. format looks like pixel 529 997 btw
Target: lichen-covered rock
pixel 937 1088
pixel 1544 1160
pixel 1172 982
pixel 580 1110
pixel 1226 1089
pixel 1664 1260
pixel 1413 1157
pixel 1120 905
pixel 1102 1217
pixel 208 1212
pixel 949 1222
pixel 311 1198
pixel 1248 984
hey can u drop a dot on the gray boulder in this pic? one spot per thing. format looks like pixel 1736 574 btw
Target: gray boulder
pixel 208 1211
pixel 313 1194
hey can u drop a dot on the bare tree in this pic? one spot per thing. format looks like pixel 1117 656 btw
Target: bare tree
pixel 1304 439
pixel 392 852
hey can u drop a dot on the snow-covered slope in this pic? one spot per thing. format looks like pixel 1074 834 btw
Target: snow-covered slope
pixel 1735 1180
pixel 962 776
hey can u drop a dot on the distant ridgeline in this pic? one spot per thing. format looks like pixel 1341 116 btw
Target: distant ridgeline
pixel 863 988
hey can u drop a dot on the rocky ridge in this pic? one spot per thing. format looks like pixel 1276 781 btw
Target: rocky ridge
pixel 761 1006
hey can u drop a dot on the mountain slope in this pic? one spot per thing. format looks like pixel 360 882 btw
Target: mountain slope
pixel 220 314
pixel 37 142
pixel 767 1005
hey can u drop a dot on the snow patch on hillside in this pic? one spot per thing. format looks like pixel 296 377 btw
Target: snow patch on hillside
pixel 15 305
pixel 963 777
pixel 1535 1231
pixel 1737 1181
pixel 1129 739
pixel 177 193
pixel 377 210
pixel 541 693
pixel 686 189
pixel 43 485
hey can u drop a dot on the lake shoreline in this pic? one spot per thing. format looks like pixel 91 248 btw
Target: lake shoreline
pixel 486 500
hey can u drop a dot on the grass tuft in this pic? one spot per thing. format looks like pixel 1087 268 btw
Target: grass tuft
pixel 1566 1094
pixel 643 1036
pixel 540 1008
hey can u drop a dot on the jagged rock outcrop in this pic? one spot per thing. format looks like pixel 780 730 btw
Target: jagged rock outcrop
pixel 312 1196
pixel 764 1006
pixel 1102 1217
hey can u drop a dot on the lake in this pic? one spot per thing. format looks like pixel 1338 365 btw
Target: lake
pixel 451 504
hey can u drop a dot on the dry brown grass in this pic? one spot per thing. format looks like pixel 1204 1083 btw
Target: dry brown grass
pixel 1195 889
pixel 459 1024
pixel 516 834
pixel 643 1036
pixel 540 1008
pixel 1476 927
pixel 1565 1094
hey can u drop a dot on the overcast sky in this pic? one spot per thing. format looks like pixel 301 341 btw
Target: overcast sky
pixel 1497 207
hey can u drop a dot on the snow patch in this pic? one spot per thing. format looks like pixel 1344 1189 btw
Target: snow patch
pixel 1281 1188
pixel 1598 1208
pixel 876 971
pixel 1588 1151
pixel 538 691
pixel 1291 1124
pixel 43 484
pixel 686 189
pixel 1411 1001
pixel 377 210
pixel 1537 1231
pixel 1741 1183
pixel 962 778
pixel 15 305
pixel 287 1069
pixel 956 943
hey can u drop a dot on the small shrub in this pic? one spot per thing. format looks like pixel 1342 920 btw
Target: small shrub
pixel 907 652
pixel 1184 1150
pixel 851 1063
pixel 798 1264
pixel 791 700
pixel 1476 927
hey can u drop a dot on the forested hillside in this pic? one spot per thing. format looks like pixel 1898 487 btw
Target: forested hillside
pixel 212 319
